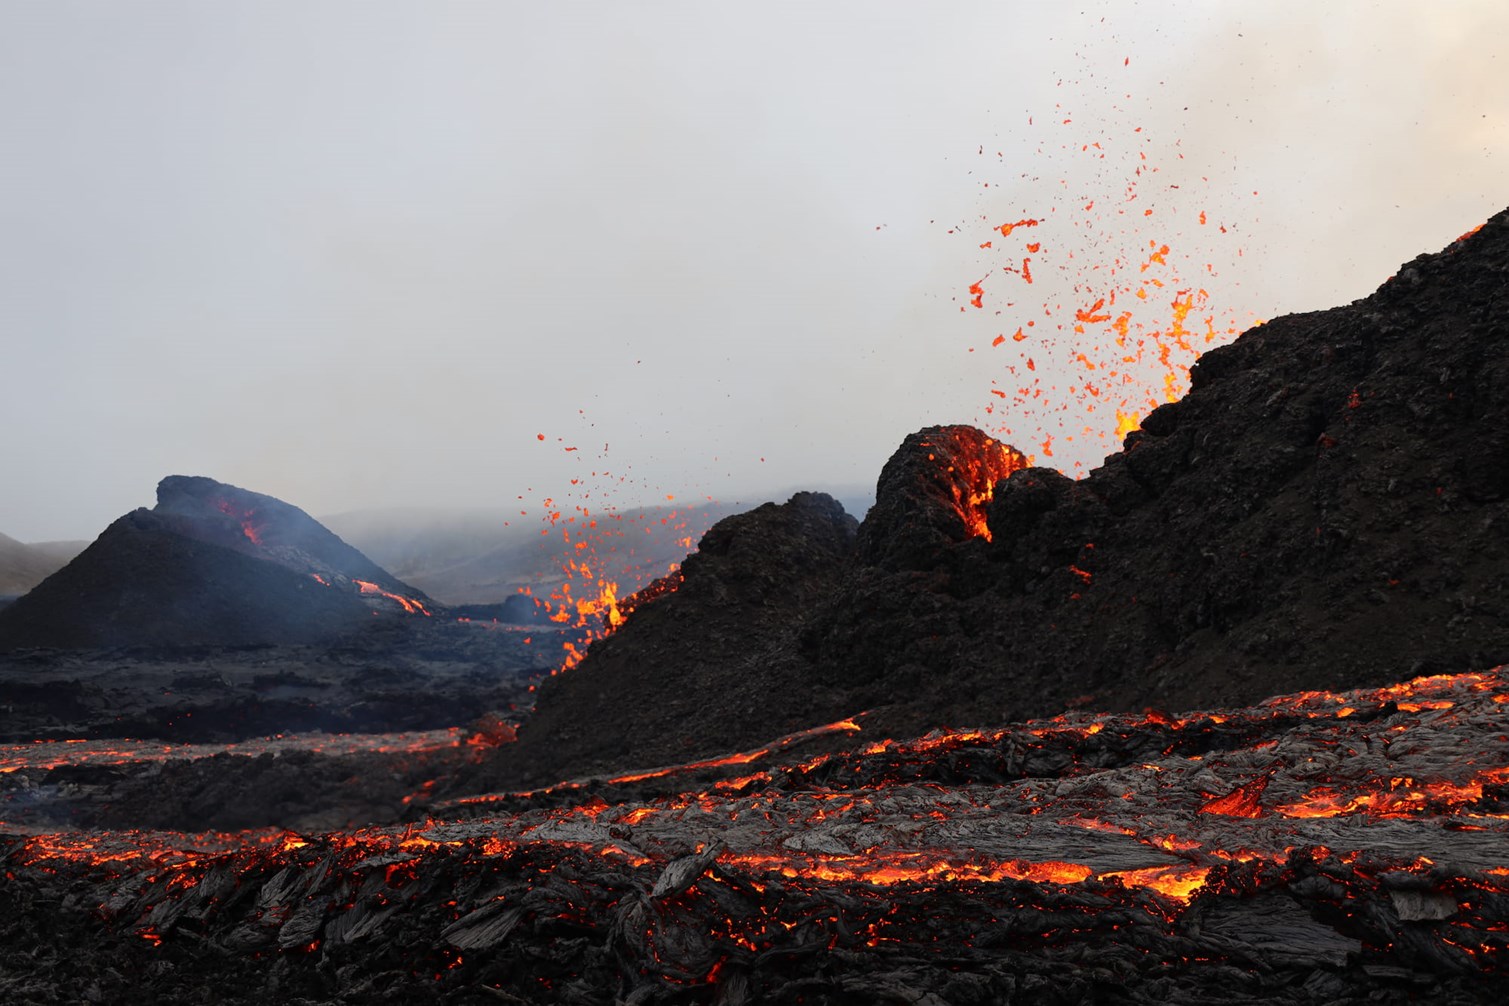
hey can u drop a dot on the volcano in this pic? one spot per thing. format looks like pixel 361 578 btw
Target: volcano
pixel 1326 508
pixel 211 564
pixel 1312 539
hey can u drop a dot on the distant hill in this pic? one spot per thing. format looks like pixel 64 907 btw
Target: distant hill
pixel 211 564
pixel 23 566
pixel 472 557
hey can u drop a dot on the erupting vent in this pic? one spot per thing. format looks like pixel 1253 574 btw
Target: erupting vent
pixel 973 466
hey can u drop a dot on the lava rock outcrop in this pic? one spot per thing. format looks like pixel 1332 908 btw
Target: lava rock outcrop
pixel 932 496
pixel 1234 855
pixel 755 575
pixel 211 564
pixel 1326 508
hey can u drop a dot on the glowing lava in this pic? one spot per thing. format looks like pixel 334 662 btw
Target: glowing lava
pixel 408 604
pixel 969 464
pixel 246 518
pixel 1075 835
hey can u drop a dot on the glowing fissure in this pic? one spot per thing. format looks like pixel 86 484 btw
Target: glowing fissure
pixel 972 474
pixel 246 518
pixel 1150 812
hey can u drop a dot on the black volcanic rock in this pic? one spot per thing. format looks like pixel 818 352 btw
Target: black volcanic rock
pixel 1326 508
pixel 931 495
pixel 755 575
pixel 210 565
pixel 267 528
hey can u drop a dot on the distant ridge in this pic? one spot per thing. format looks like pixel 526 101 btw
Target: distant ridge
pixel 23 566
pixel 211 564
pixel 477 557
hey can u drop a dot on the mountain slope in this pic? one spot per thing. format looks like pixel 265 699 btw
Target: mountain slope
pixel 1326 508
pixel 23 566
pixel 211 564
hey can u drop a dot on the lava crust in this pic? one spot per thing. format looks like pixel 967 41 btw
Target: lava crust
pixel 1316 848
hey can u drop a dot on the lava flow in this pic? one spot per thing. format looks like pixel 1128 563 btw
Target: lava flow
pixel 409 604
pixel 127 751
pixel 970 465
pixel 1181 847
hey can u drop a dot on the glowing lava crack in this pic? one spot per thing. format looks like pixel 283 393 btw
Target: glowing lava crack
pixel 1311 843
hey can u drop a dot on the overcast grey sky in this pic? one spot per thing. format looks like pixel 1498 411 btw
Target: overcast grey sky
pixel 364 253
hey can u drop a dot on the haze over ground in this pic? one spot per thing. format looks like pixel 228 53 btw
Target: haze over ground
pixel 366 254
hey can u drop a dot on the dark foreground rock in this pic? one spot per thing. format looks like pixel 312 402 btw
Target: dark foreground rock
pixel 418 674
pixel 1312 849
pixel 1326 508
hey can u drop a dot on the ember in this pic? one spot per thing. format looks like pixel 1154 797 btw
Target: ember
pixel 1048 846
pixel 1124 331
pixel 603 557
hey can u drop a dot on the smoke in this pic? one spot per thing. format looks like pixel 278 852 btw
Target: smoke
pixel 360 256
pixel 1324 146
pixel 1373 132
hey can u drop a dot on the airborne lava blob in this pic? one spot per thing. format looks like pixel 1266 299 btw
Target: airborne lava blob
pixel 613 557
pixel 1099 297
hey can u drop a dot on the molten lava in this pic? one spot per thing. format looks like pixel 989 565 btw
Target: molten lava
pixel 969 465
pixel 408 604
pixel 245 517
pixel 1059 839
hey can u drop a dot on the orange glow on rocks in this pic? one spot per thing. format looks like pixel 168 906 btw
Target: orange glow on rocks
pixel 1244 801
pixel 246 518
pixel 1176 882
pixel 1082 830
pixel 408 604
pixel 969 465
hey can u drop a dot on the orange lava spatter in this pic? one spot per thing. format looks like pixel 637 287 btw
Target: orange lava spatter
pixel 609 566
pixel 1095 316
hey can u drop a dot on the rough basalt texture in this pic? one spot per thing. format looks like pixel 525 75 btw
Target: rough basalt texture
pixel 1265 854
pixel 931 496
pixel 755 576
pixel 267 528
pixel 1326 508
